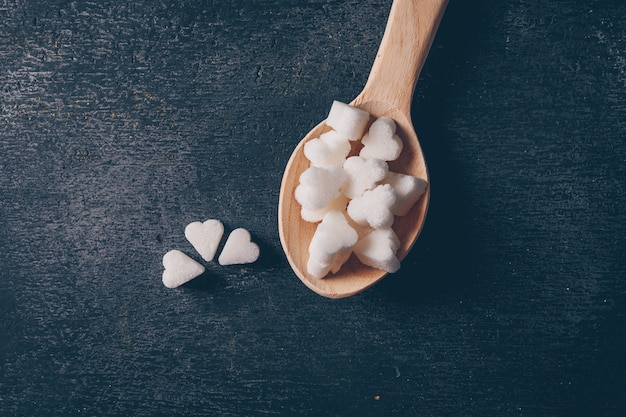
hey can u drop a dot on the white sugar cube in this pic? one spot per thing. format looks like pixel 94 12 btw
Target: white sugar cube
pixel 331 244
pixel 381 141
pixel 330 149
pixel 239 248
pixel 383 126
pixel 205 237
pixel 408 190
pixel 317 268
pixel 349 121
pixel 314 216
pixel 378 249
pixel 319 186
pixel 179 269
pixel 332 235
pixel 362 175
pixel 373 208
pixel 320 269
pixel 340 259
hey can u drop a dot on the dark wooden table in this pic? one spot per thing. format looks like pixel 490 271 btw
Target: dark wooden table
pixel 122 122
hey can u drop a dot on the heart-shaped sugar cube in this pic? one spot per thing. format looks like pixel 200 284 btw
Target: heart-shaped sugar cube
pixel 373 208
pixel 239 249
pixel 362 175
pixel 319 186
pixel 205 237
pixel 378 250
pixel 330 149
pixel 408 189
pixel 179 269
pixel 331 244
pixel 381 141
pixel 314 216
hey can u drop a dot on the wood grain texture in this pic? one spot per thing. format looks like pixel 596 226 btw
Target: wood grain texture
pixel 121 123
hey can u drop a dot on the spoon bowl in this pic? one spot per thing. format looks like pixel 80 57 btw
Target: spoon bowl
pixel 410 30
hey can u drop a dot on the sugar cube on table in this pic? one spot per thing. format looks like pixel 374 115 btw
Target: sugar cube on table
pixel 408 190
pixel 239 248
pixel 349 121
pixel 319 186
pixel 205 237
pixel 330 149
pixel 362 175
pixel 179 269
pixel 381 141
pixel 331 244
pixel 378 249
pixel 373 208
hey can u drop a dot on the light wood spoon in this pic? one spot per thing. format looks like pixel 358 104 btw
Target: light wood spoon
pixel 409 34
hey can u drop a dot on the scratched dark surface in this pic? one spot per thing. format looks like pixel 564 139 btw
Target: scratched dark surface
pixel 122 122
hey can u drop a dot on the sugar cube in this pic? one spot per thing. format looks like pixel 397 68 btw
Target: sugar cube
pixel 373 208
pixel 381 141
pixel 179 269
pixel 205 237
pixel 383 127
pixel 362 175
pixel 239 248
pixel 317 269
pixel 378 249
pixel 314 216
pixel 319 186
pixel 349 121
pixel 330 149
pixel 408 190
pixel 331 244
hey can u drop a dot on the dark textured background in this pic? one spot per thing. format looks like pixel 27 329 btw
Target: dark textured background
pixel 121 123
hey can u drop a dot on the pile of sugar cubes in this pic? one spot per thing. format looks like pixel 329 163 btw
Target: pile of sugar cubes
pixel 354 198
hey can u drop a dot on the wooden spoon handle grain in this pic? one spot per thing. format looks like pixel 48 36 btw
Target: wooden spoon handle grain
pixel 409 34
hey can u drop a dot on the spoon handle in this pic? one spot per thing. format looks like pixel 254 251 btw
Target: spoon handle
pixel 408 36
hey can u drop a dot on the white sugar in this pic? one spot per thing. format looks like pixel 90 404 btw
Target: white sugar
pixel 314 216
pixel 319 186
pixel 355 198
pixel 330 149
pixel 331 244
pixel 239 248
pixel 381 142
pixel 378 249
pixel 408 189
pixel 373 208
pixel 179 269
pixel 347 120
pixel 363 174
pixel 205 237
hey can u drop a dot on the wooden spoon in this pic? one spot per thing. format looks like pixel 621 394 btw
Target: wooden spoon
pixel 389 91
